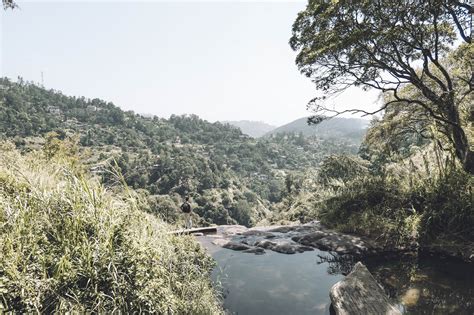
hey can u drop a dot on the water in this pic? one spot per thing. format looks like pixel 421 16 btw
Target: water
pixel 276 283
pixel 427 285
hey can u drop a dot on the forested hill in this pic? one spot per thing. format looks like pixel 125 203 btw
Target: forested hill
pixel 352 129
pixel 230 176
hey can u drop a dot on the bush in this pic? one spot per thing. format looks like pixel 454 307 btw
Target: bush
pixel 431 208
pixel 68 245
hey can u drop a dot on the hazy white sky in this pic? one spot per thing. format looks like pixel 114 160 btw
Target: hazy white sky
pixel 221 60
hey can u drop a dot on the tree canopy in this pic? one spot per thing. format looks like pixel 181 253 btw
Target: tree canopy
pixel 8 4
pixel 380 45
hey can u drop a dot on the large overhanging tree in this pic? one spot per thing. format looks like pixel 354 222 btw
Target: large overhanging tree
pixel 8 4
pixel 387 45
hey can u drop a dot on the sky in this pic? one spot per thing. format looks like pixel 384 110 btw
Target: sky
pixel 221 60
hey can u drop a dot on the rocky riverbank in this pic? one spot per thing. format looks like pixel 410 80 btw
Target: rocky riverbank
pixel 412 282
pixel 293 239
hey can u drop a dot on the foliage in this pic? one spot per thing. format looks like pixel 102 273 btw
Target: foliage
pixel 415 192
pixel 69 245
pixel 386 209
pixel 342 168
pixel 375 44
pixel 9 4
pixel 182 155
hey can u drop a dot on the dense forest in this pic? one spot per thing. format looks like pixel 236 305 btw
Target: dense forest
pixel 231 177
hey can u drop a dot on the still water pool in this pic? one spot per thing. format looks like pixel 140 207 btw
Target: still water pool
pixel 276 283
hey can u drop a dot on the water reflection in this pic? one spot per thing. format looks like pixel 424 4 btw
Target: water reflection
pixel 427 285
pixel 299 284
pixel 418 284
pixel 274 283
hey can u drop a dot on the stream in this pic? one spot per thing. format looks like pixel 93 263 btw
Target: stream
pixel 276 283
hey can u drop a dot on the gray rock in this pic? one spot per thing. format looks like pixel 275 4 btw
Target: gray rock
pixel 257 233
pixel 302 248
pixel 255 250
pixel 336 242
pixel 284 229
pixel 265 244
pixel 309 239
pixel 285 248
pixel 220 242
pixel 236 246
pixel 359 294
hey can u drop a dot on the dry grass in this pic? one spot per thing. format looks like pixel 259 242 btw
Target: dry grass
pixel 68 244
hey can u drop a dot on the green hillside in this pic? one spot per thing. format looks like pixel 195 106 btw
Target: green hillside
pixel 231 177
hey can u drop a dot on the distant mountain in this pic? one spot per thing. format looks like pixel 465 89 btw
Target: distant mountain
pixel 254 129
pixel 349 128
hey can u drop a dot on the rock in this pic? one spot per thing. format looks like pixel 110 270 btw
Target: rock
pixel 336 242
pixel 220 242
pixel 360 294
pixel 230 230
pixel 265 244
pixel 309 239
pixel 255 250
pixel 302 248
pixel 236 246
pixel 257 233
pixel 411 297
pixel 284 229
pixel 292 239
pixel 284 248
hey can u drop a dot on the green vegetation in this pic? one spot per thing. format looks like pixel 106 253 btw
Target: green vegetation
pixel 411 182
pixel 403 189
pixel 67 244
pixel 164 159
pixel 404 50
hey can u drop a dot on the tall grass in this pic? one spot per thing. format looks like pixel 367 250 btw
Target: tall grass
pixel 408 203
pixel 69 245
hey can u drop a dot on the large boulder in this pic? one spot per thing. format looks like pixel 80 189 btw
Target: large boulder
pixel 360 294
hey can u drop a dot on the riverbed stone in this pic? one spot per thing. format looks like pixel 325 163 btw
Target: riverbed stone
pixel 265 244
pixel 255 250
pixel 284 248
pixel 336 242
pixel 220 241
pixel 236 246
pixel 295 239
pixel 359 294
pixel 311 238
pixel 257 233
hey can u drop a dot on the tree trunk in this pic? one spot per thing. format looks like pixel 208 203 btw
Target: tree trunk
pixel 460 143
pixel 462 150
